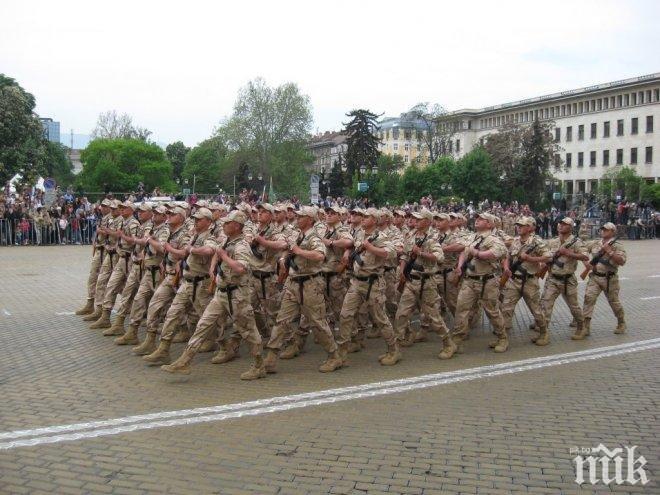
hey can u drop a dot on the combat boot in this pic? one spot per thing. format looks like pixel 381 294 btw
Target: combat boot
pixel 130 337
pixel 270 363
pixel 373 333
pixel 573 323
pixel 422 335
pixel 103 321
pixel 94 315
pixel 502 344
pixel 208 345
pixel 582 330
pixel 409 339
pixel 392 357
pixel 117 327
pixel 182 335
pixel 449 348
pixel 333 363
pixel 343 353
pixel 228 351
pixel 257 370
pixel 543 338
pixel 160 355
pixel 292 349
pixel 181 365
pixel 87 309
pixel 354 346
pixel 621 326
pixel 146 347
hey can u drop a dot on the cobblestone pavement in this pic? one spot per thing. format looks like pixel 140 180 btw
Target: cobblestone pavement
pixel 505 433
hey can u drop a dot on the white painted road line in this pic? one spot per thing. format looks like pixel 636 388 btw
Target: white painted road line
pixel 65 313
pixel 7 313
pixel 653 276
pixel 81 431
pixel 649 298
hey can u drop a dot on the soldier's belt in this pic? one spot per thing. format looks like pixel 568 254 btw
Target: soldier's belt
pixel 422 276
pixel 301 280
pixel 523 276
pixel 368 278
pixel 262 275
pixel 562 278
pixel 482 278
pixel 328 276
pixel 604 274
pixel 228 289
pixel 445 271
pixel 390 268
pixel 195 281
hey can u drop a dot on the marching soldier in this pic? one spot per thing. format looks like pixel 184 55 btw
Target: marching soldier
pixel 97 258
pixel 391 263
pixel 526 251
pixel 109 260
pixel 130 288
pixel 178 238
pixel 608 255
pixel 451 247
pixel 192 293
pixel 129 227
pixel 153 257
pixel 419 268
pixel 566 250
pixel 368 289
pixel 303 295
pixel 231 300
pixel 482 257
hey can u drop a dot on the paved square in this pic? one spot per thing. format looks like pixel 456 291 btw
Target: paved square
pixel 507 432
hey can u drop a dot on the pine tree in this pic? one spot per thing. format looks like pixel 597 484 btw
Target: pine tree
pixel 362 143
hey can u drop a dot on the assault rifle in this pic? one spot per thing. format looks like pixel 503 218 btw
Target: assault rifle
pixel 254 245
pixel 597 257
pixel 468 260
pixel 410 264
pixel 289 261
pixel 555 259
pixel 516 264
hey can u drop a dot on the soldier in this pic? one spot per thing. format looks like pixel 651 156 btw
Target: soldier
pixel 482 255
pixel 129 227
pixel 303 294
pixel 97 258
pixel 108 261
pixel 395 237
pixel 566 250
pixel 231 300
pixel 337 239
pixel 419 268
pixel 192 294
pixel 367 289
pixel 526 252
pixel 451 247
pixel 151 276
pixel 130 288
pixel 178 238
pixel 608 255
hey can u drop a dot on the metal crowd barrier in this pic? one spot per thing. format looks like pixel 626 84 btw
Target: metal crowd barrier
pixel 37 233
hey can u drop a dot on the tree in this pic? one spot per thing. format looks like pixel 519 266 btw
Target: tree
pixel 22 144
pixel 265 117
pixel 434 180
pixel 361 142
pixel 204 165
pixel 438 126
pixel 336 181
pixel 474 178
pixel 625 180
pixel 287 167
pixel 110 125
pixel 121 164
pixel 57 164
pixel 384 185
pixel 176 154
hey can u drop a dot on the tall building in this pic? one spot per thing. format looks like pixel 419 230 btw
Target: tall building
pixel 51 129
pixel 597 128
pixel 403 137
pixel 326 148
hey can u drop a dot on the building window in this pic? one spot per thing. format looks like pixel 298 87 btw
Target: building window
pixel 569 159
pixel 407 135
pixel 592 158
pixel 649 155
pixel 634 125
pixel 619 127
pixel 557 160
pixel 594 130
pixel 569 133
pixel 606 158
pixel 557 134
pixel 395 133
pixel 633 156
pixel 649 123
pixel 419 148
pixel 406 147
pixel 580 133
pixel 451 146
pixel 606 129
pixel 405 158
pixel 458 145
pixel 619 156
pixel 580 159
pixel 395 146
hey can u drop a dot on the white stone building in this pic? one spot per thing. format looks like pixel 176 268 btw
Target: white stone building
pixel 597 128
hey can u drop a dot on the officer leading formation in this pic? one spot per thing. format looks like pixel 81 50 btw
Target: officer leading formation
pixel 213 276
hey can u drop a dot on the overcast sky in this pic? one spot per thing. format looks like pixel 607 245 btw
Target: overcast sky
pixel 176 66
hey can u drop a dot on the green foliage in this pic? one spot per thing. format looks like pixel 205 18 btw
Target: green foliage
pixel 58 165
pixel 651 193
pixel 287 167
pixel 22 145
pixel 474 178
pixel 120 164
pixel 176 154
pixel 623 179
pixel 204 166
pixel 435 180
pixel 361 142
